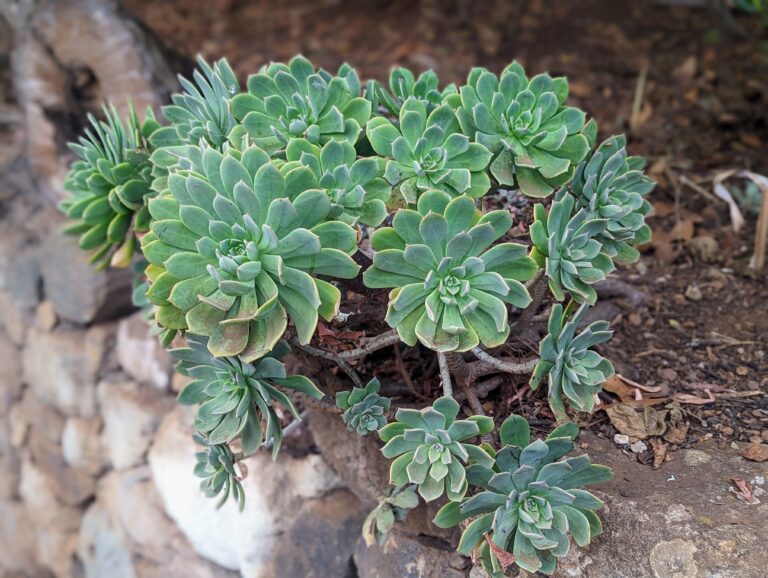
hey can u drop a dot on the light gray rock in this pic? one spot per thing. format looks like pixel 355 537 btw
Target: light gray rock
pixel 140 354
pixel 62 367
pixel 9 463
pixel 102 548
pixel 14 319
pixel 81 444
pixel 17 541
pixel 54 525
pixel 131 413
pixel 274 491
pixel 78 292
pixel 10 373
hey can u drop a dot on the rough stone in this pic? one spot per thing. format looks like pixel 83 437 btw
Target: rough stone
pixel 403 556
pixel 673 522
pixel 62 367
pixel 131 414
pixel 9 464
pixel 17 546
pixel 140 354
pixel 45 315
pixel 274 491
pixel 81 444
pixel 102 548
pixel 322 539
pixel 54 524
pixel 78 292
pixel 15 319
pixel 10 373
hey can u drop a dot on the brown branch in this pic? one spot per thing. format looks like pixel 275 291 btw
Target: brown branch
pixel 505 366
pixel 538 289
pixel 343 364
pixel 370 345
pixel 458 367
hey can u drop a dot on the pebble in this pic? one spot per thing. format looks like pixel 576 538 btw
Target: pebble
pixel 693 293
pixel 638 447
pixel 621 439
pixel 742 370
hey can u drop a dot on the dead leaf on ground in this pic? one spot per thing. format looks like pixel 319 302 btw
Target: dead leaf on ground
pixel 636 420
pixel 677 427
pixel 743 491
pixel 659 452
pixel 695 399
pixel 703 386
pixel 631 391
pixel 755 452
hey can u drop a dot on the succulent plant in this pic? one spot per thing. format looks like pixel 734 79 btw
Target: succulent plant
pixel 430 448
pixel 364 409
pixel 531 501
pixel 568 247
pixel 354 186
pixel 236 397
pixel 216 466
pixel 232 250
pixel 429 152
pixel 573 369
pixel 109 186
pixel 201 112
pixel 451 289
pixel 536 139
pixel 610 185
pixel 297 101
pixel 404 85
pixel 392 507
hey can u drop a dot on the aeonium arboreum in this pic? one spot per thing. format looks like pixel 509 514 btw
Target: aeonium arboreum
pixel 431 450
pixel 237 399
pixel 404 85
pixel 568 247
pixel 573 369
pixel 531 501
pixel 450 286
pixel 537 140
pixel 355 187
pixel 429 152
pixel 297 101
pixel 109 186
pixel 232 251
pixel 364 409
pixel 611 185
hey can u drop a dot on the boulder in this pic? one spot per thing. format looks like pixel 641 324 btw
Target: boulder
pixel 409 556
pixel 322 538
pixel 102 549
pixel 62 367
pixel 275 494
pixel 10 372
pixel 131 413
pixel 681 521
pixel 140 354
pixel 17 541
pixel 14 319
pixel 54 524
pixel 78 292
pixel 9 463
pixel 81 444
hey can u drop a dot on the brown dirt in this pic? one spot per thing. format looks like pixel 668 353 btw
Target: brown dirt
pixel 703 111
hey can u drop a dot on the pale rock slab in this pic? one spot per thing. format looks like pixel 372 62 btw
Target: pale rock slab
pixel 131 413
pixel 81 444
pixel 62 367
pixel 140 354
pixel 274 491
pixel 17 540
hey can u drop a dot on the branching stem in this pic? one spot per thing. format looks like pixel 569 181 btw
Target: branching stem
pixel 343 364
pixel 505 366
pixel 445 375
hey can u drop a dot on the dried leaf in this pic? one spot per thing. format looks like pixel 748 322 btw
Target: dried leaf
pixel 641 422
pixel 505 558
pixel 659 452
pixel 695 399
pixel 648 388
pixel 743 491
pixel 755 452
pixel 677 427
pixel 703 386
